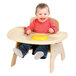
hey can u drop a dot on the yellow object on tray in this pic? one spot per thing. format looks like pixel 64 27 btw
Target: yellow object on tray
pixel 39 37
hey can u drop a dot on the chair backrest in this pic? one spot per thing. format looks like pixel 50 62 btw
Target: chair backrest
pixel 55 21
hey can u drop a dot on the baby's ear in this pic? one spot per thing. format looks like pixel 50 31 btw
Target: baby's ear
pixel 35 13
pixel 49 13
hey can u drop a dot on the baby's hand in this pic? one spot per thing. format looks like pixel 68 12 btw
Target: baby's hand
pixel 51 30
pixel 28 32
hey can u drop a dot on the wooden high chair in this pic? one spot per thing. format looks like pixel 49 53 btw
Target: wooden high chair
pixel 54 40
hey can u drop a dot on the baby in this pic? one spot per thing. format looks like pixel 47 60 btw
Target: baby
pixel 42 24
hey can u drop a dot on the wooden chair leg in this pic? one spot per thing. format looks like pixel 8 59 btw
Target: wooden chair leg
pixel 52 58
pixel 62 52
pixel 55 49
pixel 14 56
pixel 13 59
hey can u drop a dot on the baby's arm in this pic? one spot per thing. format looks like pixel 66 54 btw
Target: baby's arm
pixel 29 29
pixel 53 28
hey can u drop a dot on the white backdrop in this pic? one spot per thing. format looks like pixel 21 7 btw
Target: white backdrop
pixel 18 13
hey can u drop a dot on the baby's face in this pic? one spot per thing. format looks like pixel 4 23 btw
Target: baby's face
pixel 42 14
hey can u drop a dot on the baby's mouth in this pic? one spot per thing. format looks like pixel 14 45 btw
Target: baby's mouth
pixel 42 18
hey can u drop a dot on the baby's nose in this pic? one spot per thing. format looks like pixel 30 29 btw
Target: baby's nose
pixel 42 15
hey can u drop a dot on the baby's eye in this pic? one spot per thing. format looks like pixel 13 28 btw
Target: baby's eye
pixel 45 14
pixel 40 14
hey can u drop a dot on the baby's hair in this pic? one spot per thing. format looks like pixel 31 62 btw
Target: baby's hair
pixel 41 6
